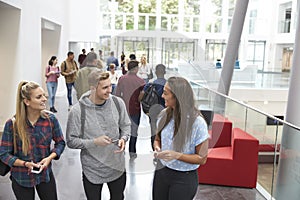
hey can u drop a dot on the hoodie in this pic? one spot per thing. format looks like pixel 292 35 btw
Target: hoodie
pixel 100 164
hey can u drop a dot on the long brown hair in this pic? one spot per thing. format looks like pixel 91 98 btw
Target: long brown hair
pixel 20 125
pixel 184 113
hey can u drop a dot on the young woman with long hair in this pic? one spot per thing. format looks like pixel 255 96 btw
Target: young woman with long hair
pixel 180 144
pixel 52 73
pixel 26 144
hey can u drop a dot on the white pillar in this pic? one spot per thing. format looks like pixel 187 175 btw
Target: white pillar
pixel 288 184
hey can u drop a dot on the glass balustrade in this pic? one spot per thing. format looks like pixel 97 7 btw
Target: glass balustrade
pixel 268 130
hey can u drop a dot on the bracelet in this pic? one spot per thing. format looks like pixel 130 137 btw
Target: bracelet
pixel 24 164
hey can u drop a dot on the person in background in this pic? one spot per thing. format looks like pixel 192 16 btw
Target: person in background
pixel 100 61
pixel 81 84
pixel 124 71
pixel 81 58
pixel 181 143
pixel 113 77
pixel 159 83
pixel 26 143
pixel 129 88
pixel 99 125
pixel 69 70
pixel 144 69
pixel 112 59
pixel 52 73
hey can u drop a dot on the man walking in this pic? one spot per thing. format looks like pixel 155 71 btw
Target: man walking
pixel 99 125
pixel 69 69
pixel 129 88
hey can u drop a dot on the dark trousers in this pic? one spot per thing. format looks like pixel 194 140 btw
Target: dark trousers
pixel 46 191
pixel 116 188
pixel 135 122
pixel 169 184
pixel 69 89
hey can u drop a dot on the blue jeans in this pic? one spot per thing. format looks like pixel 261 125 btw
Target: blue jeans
pixel 51 87
pixel 135 122
pixel 69 88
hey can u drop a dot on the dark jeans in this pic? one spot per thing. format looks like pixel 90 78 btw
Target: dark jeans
pixel 116 188
pixel 135 122
pixel 69 88
pixel 46 191
pixel 170 184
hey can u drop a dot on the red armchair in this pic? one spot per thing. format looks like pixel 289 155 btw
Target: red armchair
pixel 235 165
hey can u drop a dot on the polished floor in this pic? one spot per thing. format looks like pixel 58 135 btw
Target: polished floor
pixel 67 171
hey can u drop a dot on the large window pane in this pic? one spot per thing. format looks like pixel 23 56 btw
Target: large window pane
pixel 196 24
pixel 142 20
pixel 174 23
pixel 152 23
pixel 129 22
pixel 125 6
pixel 169 6
pixel 147 6
pixel 107 21
pixel 186 23
pixel 192 7
pixel 164 23
pixel 119 22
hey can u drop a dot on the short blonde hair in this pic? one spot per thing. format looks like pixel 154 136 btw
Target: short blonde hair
pixel 96 76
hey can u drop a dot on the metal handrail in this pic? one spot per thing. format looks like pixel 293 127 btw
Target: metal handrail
pixel 248 106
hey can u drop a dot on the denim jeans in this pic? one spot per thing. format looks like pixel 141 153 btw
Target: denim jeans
pixel 69 88
pixel 135 122
pixel 51 87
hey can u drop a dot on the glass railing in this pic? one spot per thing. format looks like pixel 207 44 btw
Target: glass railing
pixel 264 127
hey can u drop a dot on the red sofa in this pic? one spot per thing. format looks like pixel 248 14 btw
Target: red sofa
pixel 221 129
pixel 234 165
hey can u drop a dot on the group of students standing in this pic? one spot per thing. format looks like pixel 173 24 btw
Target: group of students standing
pixel 100 124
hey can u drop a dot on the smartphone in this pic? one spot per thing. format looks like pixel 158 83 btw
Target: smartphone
pixel 36 170
pixel 115 141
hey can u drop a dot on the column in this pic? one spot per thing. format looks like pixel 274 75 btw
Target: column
pixel 288 177
pixel 231 52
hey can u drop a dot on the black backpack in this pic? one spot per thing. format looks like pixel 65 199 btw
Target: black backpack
pixel 150 98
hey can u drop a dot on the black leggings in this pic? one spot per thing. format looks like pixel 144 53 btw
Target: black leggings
pixel 116 188
pixel 46 191
pixel 169 184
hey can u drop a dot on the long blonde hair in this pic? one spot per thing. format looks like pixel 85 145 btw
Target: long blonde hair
pixel 20 125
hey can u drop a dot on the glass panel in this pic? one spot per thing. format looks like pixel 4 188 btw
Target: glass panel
pixel 147 6
pixel 192 7
pixel 125 6
pixel 164 23
pixel 169 7
pixel 186 26
pixel 218 25
pixel 142 20
pixel 119 22
pixel 106 21
pixel 174 23
pixel 196 24
pixel 152 23
pixel 129 22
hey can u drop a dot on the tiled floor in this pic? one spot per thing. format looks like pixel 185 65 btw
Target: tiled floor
pixel 67 171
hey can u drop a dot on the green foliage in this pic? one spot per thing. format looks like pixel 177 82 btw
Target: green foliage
pixel 125 6
pixel 169 6
pixel 147 6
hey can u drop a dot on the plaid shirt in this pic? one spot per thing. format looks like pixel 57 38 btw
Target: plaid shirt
pixel 40 136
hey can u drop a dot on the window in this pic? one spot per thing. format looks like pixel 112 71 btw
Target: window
pixel 152 22
pixel 256 53
pixel 214 49
pixel 129 22
pixel 142 20
pixel 147 6
pixel 169 6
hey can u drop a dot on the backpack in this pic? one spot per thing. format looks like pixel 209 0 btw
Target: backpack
pixel 150 98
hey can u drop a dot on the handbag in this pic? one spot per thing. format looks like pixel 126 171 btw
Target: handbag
pixel 4 168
